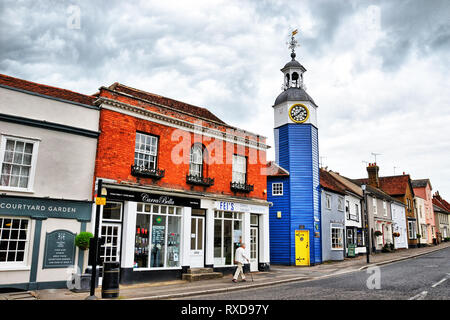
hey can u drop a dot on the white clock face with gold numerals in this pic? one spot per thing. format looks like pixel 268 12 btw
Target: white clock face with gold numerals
pixel 298 113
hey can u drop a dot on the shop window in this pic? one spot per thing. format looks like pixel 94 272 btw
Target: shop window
pixel 112 211
pixel 277 189
pixel 360 238
pixel 18 162
pixel 254 219
pixel 350 239
pixel 227 237
pixel 337 236
pixel 146 151
pixel 157 243
pixel 13 240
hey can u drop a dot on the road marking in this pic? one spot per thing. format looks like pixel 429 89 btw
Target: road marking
pixel 438 283
pixel 420 296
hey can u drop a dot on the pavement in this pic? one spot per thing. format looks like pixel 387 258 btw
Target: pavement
pixel 278 274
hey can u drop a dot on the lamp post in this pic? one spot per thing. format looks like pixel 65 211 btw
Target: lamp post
pixel 366 221
pixel 99 201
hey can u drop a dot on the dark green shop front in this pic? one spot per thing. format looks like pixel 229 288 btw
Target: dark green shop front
pixel 37 241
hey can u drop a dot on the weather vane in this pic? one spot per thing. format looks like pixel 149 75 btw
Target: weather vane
pixel 293 43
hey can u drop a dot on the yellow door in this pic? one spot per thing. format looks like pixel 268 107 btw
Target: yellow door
pixel 301 248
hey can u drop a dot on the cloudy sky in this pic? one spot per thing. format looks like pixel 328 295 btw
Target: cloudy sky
pixel 379 70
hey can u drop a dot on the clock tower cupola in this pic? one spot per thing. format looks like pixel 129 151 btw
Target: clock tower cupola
pixel 297 152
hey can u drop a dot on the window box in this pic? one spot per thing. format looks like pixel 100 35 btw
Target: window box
pixel 199 180
pixel 141 171
pixel 241 187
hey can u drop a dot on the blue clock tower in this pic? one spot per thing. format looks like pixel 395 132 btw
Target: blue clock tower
pixel 293 180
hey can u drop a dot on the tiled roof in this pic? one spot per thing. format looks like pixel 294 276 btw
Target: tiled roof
pixel 175 104
pixel 420 183
pixel 441 203
pixel 274 170
pixel 327 181
pixel 394 185
pixel 46 90
pixel 348 184
pixel 376 191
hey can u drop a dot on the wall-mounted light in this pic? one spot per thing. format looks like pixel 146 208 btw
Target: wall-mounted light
pixel 279 214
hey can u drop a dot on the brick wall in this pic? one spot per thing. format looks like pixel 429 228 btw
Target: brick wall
pixel 115 155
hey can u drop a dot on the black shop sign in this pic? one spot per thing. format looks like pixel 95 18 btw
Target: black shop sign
pixel 138 196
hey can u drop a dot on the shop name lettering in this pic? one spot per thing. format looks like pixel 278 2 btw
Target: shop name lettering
pixel 240 309
pixel 160 200
pixel 32 207
pixel 226 206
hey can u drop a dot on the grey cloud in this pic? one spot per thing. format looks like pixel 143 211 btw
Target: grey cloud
pixel 412 26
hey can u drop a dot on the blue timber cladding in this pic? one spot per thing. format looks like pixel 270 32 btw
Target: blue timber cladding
pixel 298 152
pixel 279 228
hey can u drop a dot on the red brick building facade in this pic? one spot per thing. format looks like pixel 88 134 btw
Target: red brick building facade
pixel 159 152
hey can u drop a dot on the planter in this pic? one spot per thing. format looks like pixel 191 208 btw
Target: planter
pixel 82 240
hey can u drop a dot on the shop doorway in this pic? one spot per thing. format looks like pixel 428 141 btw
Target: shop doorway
pixel 301 248
pixel 110 246
pixel 197 252
pixel 254 249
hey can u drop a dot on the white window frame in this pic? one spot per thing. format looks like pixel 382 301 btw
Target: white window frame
pixel 196 161
pixel 341 232
pixel 412 235
pixel 385 208
pixel 277 188
pixel 236 216
pixel 121 212
pixel 374 205
pixel 239 170
pixel 357 211
pixel 155 210
pixel 341 204
pixel 34 156
pixel 152 153
pixel 21 264
pixel 328 201
pixel 348 212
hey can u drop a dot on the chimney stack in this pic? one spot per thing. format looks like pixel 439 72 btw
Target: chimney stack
pixel 372 170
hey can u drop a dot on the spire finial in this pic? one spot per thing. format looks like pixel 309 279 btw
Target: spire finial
pixel 293 43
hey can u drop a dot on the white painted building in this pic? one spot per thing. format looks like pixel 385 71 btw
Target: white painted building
pixel 399 225
pixel 422 227
pixel 48 140
pixel 353 223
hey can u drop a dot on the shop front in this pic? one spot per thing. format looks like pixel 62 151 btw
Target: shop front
pixel 236 223
pixel 37 241
pixel 356 238
pixel 160 236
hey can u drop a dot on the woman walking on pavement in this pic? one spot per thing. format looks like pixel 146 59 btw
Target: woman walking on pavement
pixel 239 260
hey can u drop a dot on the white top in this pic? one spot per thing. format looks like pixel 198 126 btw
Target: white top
pixel 240 255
